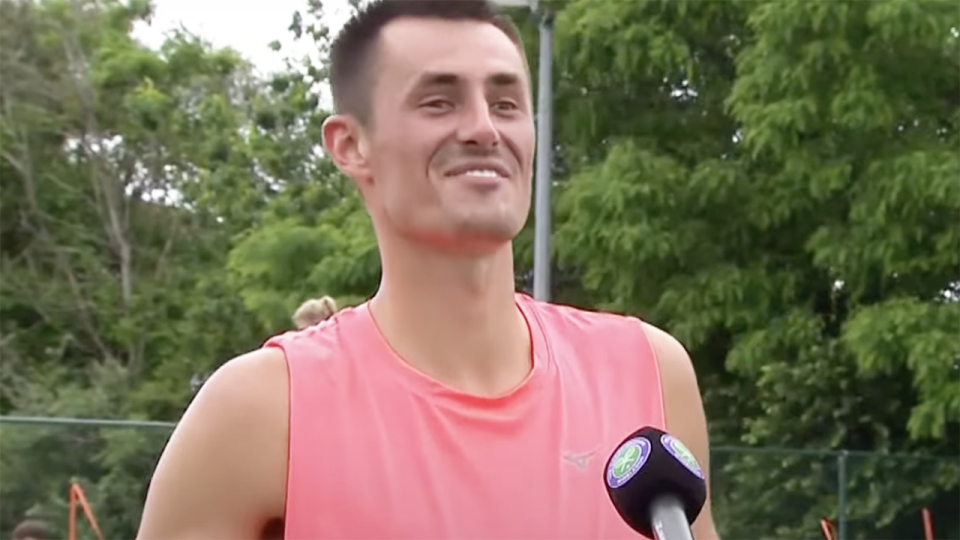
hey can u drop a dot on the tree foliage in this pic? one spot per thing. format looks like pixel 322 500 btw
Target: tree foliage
pixel 774 182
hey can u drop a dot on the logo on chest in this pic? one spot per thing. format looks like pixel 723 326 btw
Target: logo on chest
pixel 579 460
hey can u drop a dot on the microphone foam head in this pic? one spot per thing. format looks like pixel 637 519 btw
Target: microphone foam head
pixel 646 465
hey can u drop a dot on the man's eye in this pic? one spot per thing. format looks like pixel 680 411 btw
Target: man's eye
pixel 505 106
pixel 436 104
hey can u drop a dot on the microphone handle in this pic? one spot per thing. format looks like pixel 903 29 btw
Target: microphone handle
pixel 669 520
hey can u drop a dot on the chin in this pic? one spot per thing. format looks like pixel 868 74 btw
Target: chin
pixel 479 247
pixel 475 239
pixel 472 239
pixel 501 231
pixel 470 231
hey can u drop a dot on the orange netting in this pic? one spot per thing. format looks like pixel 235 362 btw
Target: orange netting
pixel 830 532
pixel 77 497
pixel 927 524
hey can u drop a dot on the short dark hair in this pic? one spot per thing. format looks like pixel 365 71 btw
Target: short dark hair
pixel 33 529
pixel 351 54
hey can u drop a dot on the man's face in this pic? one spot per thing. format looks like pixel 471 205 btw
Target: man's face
pixel 450 146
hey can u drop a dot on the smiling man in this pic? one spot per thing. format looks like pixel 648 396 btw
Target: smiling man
pixel 447 406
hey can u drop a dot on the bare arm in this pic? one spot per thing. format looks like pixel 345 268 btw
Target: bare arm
pixel 685 416
pixel 222 475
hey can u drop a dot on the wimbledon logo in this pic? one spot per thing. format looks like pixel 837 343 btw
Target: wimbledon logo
pixel 681 453
pixel 627 461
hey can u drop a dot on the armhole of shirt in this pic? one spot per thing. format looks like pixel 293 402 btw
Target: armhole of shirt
pixel 289 346
pixel 654 359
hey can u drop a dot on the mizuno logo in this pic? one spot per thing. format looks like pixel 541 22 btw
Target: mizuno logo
pixel 579 460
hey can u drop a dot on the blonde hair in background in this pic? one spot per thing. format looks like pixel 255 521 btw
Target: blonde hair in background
pixel 314 311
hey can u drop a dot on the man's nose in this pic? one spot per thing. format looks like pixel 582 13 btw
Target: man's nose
pixel 477 124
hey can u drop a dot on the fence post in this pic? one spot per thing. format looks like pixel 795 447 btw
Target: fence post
pixel 842 494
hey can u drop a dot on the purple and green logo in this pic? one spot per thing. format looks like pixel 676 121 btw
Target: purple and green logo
pixel 680 452
pixel 627 461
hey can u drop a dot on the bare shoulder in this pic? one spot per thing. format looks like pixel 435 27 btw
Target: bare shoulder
pixel 223 471
pixel 683 408
pixel 683 405
pixel 676 367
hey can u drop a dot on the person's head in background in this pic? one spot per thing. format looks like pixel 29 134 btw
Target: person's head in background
pixel 314 311
pixel 32 529
pixel 434 124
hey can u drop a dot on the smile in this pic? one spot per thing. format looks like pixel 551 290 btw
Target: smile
pixel 481 173
pixel 480 170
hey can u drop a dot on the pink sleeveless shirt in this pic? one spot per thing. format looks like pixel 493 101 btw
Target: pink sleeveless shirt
pixel 378 450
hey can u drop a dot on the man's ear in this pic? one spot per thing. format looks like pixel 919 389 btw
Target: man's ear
pixel 344 141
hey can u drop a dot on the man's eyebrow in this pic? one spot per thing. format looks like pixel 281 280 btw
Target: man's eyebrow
pixel 435 79
pixel 431 79
pixel 503 79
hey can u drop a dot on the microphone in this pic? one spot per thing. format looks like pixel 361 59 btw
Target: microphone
pixel 656 485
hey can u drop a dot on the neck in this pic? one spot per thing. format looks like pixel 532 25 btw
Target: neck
pixel 455 318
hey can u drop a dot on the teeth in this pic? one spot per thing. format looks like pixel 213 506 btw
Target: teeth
pixel 484 173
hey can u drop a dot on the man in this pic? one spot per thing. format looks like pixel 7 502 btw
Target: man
pixel 447 406
pixel 32 529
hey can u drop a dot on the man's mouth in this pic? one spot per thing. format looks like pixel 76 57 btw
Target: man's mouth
pixel 477 170
pixel 481 173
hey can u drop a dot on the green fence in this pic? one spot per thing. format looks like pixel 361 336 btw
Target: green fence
pixel 758 492
pixel 784 493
